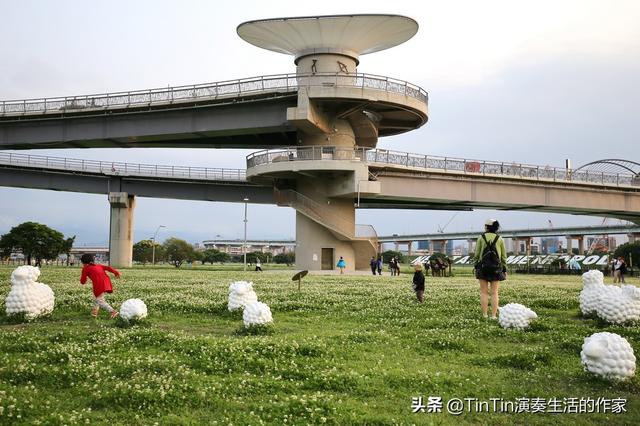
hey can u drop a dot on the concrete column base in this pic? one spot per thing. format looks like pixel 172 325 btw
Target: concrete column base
pixel 121 229
pixel 318 249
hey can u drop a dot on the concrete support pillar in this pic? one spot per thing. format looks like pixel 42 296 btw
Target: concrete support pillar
pixel 396 245
pixel 317 248
pixel 580 239
pixel 569 244
pixel 633 237
pixel 409 246
pixel 472 246
pixel 121 229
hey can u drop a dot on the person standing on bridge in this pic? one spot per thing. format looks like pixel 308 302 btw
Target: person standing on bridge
pixel 101 283
pixel 490 266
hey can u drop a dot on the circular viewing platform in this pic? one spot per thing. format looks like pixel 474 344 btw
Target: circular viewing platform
pixel 347 35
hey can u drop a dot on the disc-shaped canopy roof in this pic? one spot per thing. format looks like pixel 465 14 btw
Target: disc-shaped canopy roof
pixel 350 35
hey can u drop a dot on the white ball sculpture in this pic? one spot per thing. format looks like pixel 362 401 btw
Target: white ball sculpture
pixel 241 293
pixel 28 297
pixel 256 313
pixel 515 315
pixel 133 309
pixel 608 355
pixel 593 287
pixel 619 305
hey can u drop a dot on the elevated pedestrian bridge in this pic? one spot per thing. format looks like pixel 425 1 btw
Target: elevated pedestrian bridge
pixel 245 113
pixel 144 180
pixel 391 179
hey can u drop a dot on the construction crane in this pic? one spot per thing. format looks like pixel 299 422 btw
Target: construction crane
pixel 600 243
pixel 442 228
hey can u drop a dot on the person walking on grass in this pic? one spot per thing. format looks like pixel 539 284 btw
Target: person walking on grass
pixel 619 270
pixel 341 265
pixel 258 265
pixel 379 265
pixel 490 266
pixel 374 265
pixel 97 273
pixel 418 282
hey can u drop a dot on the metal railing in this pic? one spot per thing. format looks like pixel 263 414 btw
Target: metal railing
pixel 269 84
pixel 387 158
pixel 114 168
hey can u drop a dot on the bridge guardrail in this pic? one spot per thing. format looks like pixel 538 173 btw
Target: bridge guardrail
pixel 115 168
pixel 277 83
pixel 433 163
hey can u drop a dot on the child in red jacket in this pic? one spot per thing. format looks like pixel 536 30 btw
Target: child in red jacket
pixel 101 283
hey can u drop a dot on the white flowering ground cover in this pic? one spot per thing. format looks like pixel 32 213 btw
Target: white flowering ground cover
pixel 346 350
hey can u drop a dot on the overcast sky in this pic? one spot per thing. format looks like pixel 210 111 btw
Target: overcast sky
pixel 528 81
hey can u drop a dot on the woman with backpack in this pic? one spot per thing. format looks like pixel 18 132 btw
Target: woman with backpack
pixel 490 266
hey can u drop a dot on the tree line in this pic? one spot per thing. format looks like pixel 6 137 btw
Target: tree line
pixel 38 243
pixel 176 252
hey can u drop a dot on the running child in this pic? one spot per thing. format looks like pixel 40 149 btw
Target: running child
pixel 97 273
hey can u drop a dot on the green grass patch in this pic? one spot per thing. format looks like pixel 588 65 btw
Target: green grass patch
pixel 346 350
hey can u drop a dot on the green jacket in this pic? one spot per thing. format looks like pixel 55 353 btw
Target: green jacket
pixel 481 245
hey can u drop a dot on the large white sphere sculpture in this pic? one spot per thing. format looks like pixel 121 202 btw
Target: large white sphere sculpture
pixel 515 315
pixel 593 287
pixel 608 355
pixel 619 305
pixel 28 297
pixel 256 313
pixel 241 293
pixel 133 309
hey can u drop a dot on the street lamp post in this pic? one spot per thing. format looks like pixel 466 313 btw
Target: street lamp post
pixel 244 246
pixel 153 248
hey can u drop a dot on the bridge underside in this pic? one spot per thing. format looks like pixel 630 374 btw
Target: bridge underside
pixel 440 192
pixel 245 125
pixel 221 191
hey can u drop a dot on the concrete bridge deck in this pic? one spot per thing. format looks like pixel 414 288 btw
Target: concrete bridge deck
pixel 244 113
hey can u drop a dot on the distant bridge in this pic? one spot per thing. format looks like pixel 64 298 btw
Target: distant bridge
pixel 517 233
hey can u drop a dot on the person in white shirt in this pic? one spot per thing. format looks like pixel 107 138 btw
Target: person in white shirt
pixel 619 269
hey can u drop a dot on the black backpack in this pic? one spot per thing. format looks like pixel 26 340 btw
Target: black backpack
pixel 490 261
pixel 623 268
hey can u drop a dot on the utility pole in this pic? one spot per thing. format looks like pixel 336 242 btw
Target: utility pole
pixel 244 246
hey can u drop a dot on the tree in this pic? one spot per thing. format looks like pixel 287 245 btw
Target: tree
pixel 143 251
pixel 178 251
pixel 288 258
pixel 387 255
pixel 215 256
pixel 630 252
pixel 34 240
pixel 252 256
pixel 67 245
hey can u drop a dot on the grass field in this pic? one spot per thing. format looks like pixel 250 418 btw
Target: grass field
pixel 346 350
